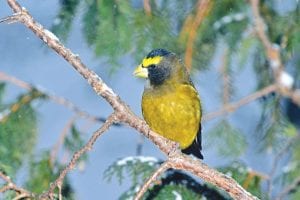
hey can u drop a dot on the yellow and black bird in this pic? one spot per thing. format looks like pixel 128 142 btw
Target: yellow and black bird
pixel 170 102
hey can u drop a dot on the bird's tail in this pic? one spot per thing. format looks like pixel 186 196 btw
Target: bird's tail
pixel 195 148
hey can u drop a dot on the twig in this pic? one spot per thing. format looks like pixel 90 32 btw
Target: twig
pixel 165 166
pixel 252 174
pixel 15 81
pixel 21 196
pixel 276 160
pixel 16 106
pixel 123 114
pixel 235 105
pixel 203 8
pixel 12 186
pixel 225 77
pixel 61 139
pixel 10 19
pixel 272 52
pixel 87 147
pixel 200 169
pixel 55 98
pixel 259 24
pixel 289 189
pixel 147 7
pixel 59 191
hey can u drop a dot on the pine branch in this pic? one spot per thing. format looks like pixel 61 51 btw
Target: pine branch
pixel 225 77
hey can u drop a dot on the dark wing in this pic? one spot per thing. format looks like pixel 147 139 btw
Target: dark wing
pixel 196 147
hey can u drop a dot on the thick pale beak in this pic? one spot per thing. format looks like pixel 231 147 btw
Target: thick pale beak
pixel 141 72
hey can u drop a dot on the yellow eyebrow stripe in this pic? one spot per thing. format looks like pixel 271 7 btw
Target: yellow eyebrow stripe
pixel 151 61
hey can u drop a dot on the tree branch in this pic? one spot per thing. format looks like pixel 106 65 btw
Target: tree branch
pixel 231 107
pixel 147 7
pixel 12 186
pixel 276 160
pixel 210 175
pixel 289 189
pixel 55 98
pixel 87 147
pixel 203 8
pixel 164 167
pixel 225 77
pixel 61 139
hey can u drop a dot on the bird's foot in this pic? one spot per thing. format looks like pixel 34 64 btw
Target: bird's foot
pixel 174 148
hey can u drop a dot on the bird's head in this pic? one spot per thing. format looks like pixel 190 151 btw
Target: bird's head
pixel 161 66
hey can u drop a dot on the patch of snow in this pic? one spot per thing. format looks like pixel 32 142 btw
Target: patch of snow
pixel 51 35
pixel 177 195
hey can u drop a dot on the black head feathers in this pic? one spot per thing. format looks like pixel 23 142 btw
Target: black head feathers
pixel 158 52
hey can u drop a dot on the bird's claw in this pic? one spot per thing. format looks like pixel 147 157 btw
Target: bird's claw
pixel 174 148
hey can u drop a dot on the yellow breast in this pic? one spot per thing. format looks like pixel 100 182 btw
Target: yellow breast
pixel 174 113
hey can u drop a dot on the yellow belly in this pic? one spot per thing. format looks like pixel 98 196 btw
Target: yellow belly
pixel 173 113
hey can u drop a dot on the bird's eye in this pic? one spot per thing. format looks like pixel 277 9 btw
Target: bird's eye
pixel 152 66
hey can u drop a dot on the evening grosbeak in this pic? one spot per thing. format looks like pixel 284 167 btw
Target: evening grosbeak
pixel 170 103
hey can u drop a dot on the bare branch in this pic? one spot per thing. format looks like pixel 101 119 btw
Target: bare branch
pixel 61 139
pixel 235 105
pixel 203 8
pixel 87 147
pixel 276 160
pixel 165 166
pixel 21 196
pixel 259 24
pixel 12 186
pixel 55 98
pixel 289 189
pixel 272 52
pixel 179 161
pixel 10 19
pixel 147 7
pixel 198 168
